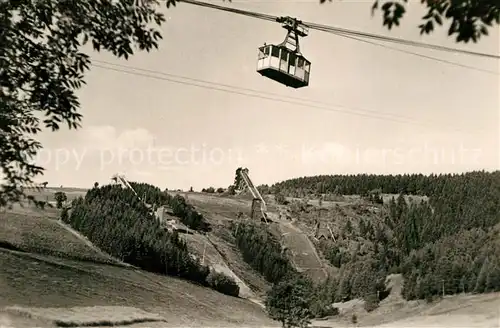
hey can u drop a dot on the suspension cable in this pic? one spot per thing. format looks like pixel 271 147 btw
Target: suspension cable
pixel 338 30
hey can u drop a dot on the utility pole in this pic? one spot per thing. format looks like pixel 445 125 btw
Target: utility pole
pixel 203 257
pixel 237 227
pixel 443 287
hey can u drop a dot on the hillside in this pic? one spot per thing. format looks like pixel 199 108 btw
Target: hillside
pixel 52 268
pixel 43 281
pixel 371 250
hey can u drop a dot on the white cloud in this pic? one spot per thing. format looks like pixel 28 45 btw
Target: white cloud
pixel 107 137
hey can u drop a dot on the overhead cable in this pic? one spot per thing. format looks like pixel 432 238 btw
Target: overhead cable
pixel 327 28
pixel 266 95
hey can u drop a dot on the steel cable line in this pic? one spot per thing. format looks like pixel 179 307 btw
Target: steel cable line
pixel 219 87
pixel 326 28
pixel 266 17
pixel 416 54
pixel 357 109
pixel 343 33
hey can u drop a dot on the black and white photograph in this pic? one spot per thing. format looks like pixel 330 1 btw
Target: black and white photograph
pixel 250 163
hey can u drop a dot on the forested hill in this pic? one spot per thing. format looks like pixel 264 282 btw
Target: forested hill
pixel 458 201
pixel 449 243
pixel 415 184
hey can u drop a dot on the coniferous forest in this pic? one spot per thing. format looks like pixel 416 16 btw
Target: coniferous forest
pixel 262 251
pixel 449 244
pixel 115 220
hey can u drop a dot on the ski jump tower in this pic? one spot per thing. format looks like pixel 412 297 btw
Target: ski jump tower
pixel 259 207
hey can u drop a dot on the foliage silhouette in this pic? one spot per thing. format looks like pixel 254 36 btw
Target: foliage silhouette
pixel 41 51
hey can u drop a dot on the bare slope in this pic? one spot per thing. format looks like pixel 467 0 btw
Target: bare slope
pixel 205 249
pixel 38 234
pixel 44 281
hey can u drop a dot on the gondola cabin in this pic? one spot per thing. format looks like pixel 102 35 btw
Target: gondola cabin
pixel 283 65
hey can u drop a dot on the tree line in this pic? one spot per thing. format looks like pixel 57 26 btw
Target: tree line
pixel 361 184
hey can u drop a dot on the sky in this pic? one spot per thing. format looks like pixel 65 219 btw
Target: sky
pixel 179 136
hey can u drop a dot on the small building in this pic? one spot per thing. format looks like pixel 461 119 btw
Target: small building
pixel 162 212
pixel 172 225
pixel 256 212
pixel 322 232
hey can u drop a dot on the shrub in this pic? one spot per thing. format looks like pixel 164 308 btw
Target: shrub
pixel 223 283
pixel 60 198
pixel 371 302
pixel 321 309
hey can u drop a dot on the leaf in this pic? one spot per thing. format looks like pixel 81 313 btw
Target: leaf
pixel 484 30
pixel 96 45
pixel 374 7
pixel 387 6
pixel 429 15
pixel 438 19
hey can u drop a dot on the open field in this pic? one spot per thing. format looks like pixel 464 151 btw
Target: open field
pixel 87 316
pixel 47 194
pixel 30 210
pixel 45 236
pixel 43 281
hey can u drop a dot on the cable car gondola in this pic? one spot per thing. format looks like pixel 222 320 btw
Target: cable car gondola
pixel 283 64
